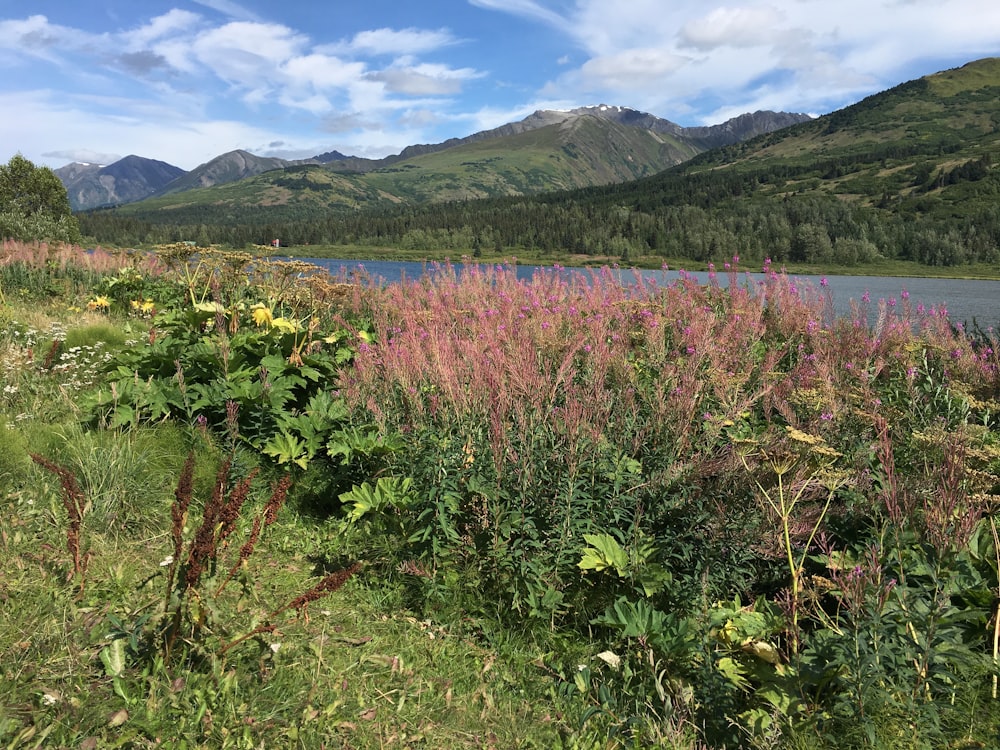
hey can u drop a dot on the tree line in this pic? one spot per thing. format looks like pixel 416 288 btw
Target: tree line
pixel 708 216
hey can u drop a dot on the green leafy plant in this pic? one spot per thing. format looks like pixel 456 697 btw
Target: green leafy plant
pixel 197 575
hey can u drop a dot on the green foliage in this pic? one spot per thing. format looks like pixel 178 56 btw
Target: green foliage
pixel 681 505
pixel 265 385
pixel 34 204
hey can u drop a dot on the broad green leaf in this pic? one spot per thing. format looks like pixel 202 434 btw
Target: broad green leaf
pixel 285 448
pixel 113 658
pixel 604 552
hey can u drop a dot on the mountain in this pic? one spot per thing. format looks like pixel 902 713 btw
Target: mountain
pixel 226 168
pixel 908 174
pixel 546 151
pixel 127 180
pixel 701 138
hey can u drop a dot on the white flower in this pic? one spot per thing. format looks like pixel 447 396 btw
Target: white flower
pixel 610 658
pixel 168 560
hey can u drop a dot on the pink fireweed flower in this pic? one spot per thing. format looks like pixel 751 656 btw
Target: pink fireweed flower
pixel 824 282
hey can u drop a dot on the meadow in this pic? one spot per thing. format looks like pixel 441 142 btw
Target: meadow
pixel 248 504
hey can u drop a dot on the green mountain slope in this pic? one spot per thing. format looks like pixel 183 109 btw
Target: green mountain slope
pixel 907 174
pixel 546 152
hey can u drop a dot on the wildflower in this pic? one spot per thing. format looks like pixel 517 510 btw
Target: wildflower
pixel 143 307
pixel 261 315
pixel 100 304
pixel 823 282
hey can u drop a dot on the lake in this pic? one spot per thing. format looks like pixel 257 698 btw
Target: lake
pixel 965 300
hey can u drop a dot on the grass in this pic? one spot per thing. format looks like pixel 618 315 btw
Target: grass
pixel 356 670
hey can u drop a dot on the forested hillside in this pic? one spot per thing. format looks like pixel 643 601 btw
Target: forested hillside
pixel 907 174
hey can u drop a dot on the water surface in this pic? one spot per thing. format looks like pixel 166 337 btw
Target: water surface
pixel 964 301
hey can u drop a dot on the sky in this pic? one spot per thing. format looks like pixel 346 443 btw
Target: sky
pixel 184 81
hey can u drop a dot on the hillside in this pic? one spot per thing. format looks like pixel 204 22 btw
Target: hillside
pixel 906 174
pixel 545 152
pixel 223 169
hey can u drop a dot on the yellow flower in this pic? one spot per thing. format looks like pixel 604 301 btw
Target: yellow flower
pixel 143 307
pixel 261 315
pixel 102 304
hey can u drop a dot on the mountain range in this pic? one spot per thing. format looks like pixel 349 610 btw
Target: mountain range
pixel 911 173
pixel 585 146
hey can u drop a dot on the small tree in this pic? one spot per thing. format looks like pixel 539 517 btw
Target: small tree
pixel 34 204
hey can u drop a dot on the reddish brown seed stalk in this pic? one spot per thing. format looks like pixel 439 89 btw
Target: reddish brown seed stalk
pixel 50 356
pixel 324 588
pixel 73 501
pixel 203 546
pixel 327 586
pixel 269 516
pixel 178 517
pixel 229 513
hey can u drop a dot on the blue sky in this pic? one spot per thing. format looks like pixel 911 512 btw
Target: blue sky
pixel 186 80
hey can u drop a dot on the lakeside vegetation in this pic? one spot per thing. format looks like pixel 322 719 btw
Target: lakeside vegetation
pixel 245 506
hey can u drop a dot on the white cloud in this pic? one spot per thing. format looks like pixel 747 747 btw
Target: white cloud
pixel 229 8
pixel 735 27
pixel 426 79
pixel 248 54
pixel 632 69
pixel 171 23
pixel 36 37
pixel 400 42
pixel 83 155
pixel 527 8
pixel 322 71
pixel 42 127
